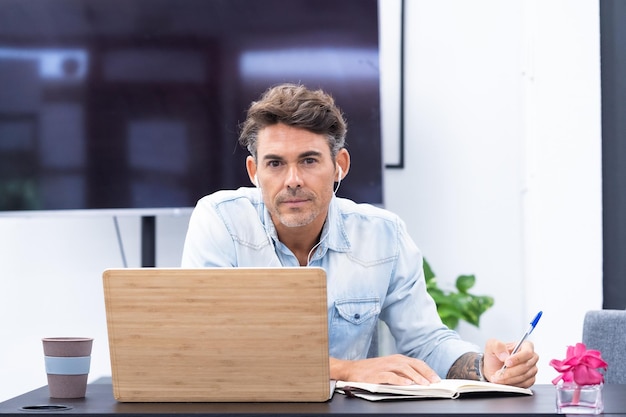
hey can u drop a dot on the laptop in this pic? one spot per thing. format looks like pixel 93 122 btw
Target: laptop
pixel 218 334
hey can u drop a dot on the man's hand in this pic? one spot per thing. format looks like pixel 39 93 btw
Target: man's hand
pixel 521 368
pixel 394 369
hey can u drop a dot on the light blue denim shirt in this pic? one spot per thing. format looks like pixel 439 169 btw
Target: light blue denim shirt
pixel 374 271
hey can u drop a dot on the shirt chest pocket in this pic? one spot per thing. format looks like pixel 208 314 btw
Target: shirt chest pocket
pixel 356 311
pixel 352 324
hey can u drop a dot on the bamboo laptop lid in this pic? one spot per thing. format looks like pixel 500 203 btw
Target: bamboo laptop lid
pixel 218 334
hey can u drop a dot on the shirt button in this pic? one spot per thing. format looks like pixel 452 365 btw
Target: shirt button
pixel 357 316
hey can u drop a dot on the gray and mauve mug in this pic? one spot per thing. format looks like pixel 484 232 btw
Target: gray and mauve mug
pixel 67 362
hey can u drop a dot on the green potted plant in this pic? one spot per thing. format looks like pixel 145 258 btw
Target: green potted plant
pixel 454 306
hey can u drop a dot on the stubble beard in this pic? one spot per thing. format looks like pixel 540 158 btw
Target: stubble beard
pixel 296 217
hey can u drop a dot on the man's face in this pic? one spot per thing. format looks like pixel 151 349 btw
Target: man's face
pixel 296 174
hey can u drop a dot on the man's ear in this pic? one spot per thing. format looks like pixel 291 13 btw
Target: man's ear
pixel 251 168
pixel 343 162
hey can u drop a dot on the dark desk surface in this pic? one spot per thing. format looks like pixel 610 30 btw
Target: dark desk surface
pixel 99 401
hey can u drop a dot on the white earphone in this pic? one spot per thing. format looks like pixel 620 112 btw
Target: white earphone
pixel 255 181
pixel 339 176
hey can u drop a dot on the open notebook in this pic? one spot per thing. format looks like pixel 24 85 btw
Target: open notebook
pixel 218 334
pixel 447 388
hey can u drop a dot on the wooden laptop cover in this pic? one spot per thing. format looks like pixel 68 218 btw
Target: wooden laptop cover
pixel 218 334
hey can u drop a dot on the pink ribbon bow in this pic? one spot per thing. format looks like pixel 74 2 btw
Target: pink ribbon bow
pixel 580 366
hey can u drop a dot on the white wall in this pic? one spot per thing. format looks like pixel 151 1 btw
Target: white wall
pixel 562 182
pixel 502 179
pixel 503 153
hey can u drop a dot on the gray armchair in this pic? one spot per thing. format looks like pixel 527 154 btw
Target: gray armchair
pixel 605 330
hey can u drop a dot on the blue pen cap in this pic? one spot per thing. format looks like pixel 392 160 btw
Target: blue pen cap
pixel 536 319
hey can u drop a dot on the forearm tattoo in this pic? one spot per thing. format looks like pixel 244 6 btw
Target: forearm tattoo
pixel 468 366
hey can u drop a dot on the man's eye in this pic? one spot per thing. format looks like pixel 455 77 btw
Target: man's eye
pixel 309 161
pixel 273 164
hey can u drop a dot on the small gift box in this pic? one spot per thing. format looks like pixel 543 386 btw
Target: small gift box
pixel 579 385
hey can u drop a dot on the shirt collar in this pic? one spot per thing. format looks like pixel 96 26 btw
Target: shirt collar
pixel 337 237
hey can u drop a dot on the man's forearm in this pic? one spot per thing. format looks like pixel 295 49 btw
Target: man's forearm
pixel 468 366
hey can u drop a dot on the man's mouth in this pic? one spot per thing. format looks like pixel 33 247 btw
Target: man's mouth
pixel 294 202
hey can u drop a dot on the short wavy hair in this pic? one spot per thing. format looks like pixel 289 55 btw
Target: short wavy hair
pixel 295 105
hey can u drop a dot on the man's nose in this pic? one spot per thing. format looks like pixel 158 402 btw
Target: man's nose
pixel 293 177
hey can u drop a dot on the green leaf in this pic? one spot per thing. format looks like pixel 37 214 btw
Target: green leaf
pixel 465 282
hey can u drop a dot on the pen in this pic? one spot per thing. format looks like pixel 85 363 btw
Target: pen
pixel 525 336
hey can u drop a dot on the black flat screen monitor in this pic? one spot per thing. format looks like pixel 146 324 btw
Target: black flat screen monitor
pixel 135 104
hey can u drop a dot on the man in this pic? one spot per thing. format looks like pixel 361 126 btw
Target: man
pixel 296 140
